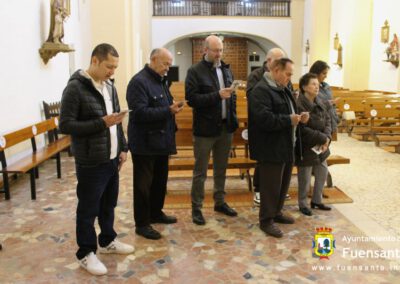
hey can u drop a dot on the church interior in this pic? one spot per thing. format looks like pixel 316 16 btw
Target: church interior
pixel 46 41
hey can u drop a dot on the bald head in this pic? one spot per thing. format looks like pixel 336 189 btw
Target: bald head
pixel 160 61
pixel 272 55
pixel 213 49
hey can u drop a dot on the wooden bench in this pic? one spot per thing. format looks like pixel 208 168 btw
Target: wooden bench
pixel 388 135
pixel 184 138
pixel 378 117
pixel 29 162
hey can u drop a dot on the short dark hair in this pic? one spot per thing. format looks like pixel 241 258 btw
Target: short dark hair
pixel 281 63
pixel 318 67
pixel 102 50
pixel 305 79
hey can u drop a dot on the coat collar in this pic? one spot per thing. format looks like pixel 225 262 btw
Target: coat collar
pixel 154 74
pixel 210 65
pixel 310 105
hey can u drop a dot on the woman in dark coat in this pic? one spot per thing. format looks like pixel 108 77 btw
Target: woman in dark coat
pixel 321 69
pixel 315 137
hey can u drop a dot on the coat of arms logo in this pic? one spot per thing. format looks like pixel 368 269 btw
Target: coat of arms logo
pixel 324 242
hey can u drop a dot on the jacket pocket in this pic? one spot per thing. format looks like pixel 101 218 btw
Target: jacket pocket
pixel 157 139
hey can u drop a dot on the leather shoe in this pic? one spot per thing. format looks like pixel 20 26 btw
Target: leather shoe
pixel 305 211
pixel 272 230
pixel 148 232
pixel 197 217
pixel 283 219
pixel 225 209
pixel 320 206
pixel 164 219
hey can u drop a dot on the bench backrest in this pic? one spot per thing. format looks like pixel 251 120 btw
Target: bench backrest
pixel 28 133
pixel 184 137
pixel 51 109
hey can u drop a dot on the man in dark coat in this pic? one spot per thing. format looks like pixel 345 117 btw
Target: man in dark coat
pixel 208 92
pixel 254 77
pixel 90 113
pixel 272 138
pixel 151 139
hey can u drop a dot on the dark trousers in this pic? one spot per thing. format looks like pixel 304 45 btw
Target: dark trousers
pixel 274 184
pixel 97 192
pixel 256 179
pixel 150 175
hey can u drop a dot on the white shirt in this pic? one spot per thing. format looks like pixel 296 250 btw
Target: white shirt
pixel 221 86
pixel 102 88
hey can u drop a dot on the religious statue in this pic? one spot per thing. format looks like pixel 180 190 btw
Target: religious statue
pixel 58 32
pixel 307 49
pixel 59 11
pixel 392 51
pixel 339 60
pixel 58 15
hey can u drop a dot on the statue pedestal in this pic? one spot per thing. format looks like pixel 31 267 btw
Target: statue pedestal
pixel 395 62
pixel 50 49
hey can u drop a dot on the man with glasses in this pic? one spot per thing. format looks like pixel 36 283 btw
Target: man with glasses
pixel 209 93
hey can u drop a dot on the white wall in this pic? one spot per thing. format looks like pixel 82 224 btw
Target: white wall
pixel 383 75
pixel 25 79
pixel 168 29
pixel 183 60
pixel 252 47
pixel 339 25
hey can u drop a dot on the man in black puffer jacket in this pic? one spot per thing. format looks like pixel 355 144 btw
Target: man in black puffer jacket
pixel 208 92
pixel 151 139
pixel 90 113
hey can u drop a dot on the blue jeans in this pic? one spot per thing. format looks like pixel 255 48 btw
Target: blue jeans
pixel 97 192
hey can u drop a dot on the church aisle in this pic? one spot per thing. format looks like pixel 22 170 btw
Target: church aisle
pixel 39 236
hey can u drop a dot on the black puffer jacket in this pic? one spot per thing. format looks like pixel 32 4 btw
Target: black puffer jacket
pixel 151 129
pixel 270 126
pixel 315 132
pixel 202 93
pixel 82 109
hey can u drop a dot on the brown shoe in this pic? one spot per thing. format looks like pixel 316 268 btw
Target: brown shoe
pixel 272 230
pixel 284 219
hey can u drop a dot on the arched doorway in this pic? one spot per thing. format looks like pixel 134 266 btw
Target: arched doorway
pixel 244 52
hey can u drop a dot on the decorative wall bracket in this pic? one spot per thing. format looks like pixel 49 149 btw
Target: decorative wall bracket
pixel 50 49
pixel 60 10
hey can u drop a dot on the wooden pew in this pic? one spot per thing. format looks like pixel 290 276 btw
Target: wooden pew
pixel 378 117
pixel 387 135
pixel 29 162
pixel 184 138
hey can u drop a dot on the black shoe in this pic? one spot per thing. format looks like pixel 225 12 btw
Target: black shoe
pixel 197 217
pixel 305 211
pixel 284 219
pixel 164 219
pixel 320 206
pixel 225 209
pixel 272 230
pixel 148 232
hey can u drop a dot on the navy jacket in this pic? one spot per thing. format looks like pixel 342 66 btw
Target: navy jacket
pixel 151 128
pixel 82 109
pixel 202 93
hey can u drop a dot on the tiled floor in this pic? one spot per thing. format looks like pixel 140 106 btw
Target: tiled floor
pixel 39 236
